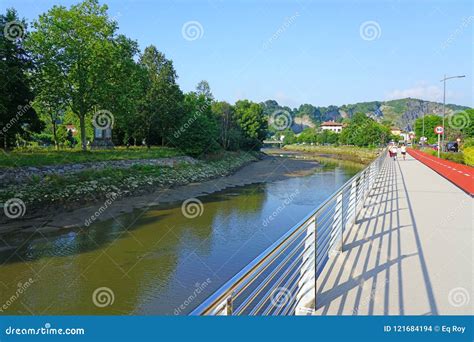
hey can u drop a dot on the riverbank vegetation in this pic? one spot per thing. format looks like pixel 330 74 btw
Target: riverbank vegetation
pixel 69 190
pixel 32 157
pixel 361 155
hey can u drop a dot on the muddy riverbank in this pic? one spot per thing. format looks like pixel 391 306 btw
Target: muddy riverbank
pixel 268 169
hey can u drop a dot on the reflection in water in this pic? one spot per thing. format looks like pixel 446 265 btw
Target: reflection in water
pixel 156 261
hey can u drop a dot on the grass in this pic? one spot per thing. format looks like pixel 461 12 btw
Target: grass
pixel 363 155
pixel 45 157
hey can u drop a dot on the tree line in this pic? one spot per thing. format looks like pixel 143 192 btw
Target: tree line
pixel 74 64
pixel 360 130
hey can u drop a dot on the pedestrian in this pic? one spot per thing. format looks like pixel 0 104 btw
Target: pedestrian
pixel 394 152
pixel 403 149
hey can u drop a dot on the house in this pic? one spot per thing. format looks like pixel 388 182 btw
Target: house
pixel 332 126
pixel 395 131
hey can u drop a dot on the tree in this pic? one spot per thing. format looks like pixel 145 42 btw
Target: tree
pixel 460 125
pixel 162 106
pixel 250 118
pixel 203 88
pixel 198 132
pixel 76 49
pixel 364 131
pixel 17 115
pixel 431 121
pixel 230 134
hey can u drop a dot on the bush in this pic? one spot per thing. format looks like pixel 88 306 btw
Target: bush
pixel 469 156
pixel 469 142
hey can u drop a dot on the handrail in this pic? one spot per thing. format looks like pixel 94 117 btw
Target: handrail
pixel 304 247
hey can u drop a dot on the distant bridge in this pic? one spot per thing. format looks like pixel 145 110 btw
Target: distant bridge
pixel 272 142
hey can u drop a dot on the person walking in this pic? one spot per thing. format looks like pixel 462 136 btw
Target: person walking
pixel 403 150
pixel 394 151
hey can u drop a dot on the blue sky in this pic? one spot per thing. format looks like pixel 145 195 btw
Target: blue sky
pixel 305 51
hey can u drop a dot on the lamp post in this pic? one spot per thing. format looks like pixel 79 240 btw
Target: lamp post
pixel 444 103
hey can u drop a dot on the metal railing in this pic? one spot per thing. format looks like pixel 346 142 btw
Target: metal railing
pixel 282 279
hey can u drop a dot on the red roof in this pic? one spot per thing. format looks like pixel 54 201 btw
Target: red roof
pixel 331 123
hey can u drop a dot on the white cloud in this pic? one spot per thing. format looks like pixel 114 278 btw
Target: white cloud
pixel 422 90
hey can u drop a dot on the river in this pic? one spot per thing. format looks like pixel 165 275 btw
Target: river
pixel 156 261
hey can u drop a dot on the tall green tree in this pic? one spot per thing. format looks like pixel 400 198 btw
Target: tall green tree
pixel 162 109
pixel 76 49
pixel 431 121
pixel 231 136
pixel 17 115
pixel 203 88
pixel 198 132
pixel 250 118
pixel 364 131
pixel 460 125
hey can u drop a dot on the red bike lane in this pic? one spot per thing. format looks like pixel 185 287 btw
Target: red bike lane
pixel 460 175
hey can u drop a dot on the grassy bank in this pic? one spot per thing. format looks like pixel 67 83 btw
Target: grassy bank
pixel 45 157
pixel 94 185
pixel 361 155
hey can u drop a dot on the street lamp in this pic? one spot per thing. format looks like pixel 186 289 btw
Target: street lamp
pixel 444 103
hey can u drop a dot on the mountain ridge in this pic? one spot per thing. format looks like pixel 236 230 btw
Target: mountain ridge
pixel 399 112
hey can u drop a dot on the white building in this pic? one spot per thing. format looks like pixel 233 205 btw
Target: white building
pixel 332 126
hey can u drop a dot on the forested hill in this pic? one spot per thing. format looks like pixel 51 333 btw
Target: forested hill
pixel 401 113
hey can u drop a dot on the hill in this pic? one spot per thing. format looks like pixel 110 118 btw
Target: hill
pixel 401 113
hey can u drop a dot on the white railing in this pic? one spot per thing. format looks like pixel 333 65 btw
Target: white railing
pixel 282 279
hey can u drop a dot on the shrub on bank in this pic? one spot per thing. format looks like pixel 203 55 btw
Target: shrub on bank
pixel 469 156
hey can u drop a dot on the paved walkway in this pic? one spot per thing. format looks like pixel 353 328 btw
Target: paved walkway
pixel 410 251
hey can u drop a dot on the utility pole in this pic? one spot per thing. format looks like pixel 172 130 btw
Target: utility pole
pixel 444 103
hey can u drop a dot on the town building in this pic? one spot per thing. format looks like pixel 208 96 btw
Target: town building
pixel 332 126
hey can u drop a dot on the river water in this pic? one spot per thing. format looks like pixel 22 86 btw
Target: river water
pixel 156 261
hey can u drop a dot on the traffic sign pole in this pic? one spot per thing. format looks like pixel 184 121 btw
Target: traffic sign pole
pixel 439 146
pixel 439 130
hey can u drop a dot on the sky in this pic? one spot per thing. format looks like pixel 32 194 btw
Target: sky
pixel 295 52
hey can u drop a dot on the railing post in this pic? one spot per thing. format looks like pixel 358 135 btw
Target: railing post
pixel 352 202
pixel 227 307
pixel 337 222
pixel 306 293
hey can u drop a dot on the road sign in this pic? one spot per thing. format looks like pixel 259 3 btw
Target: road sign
pixel 439 130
